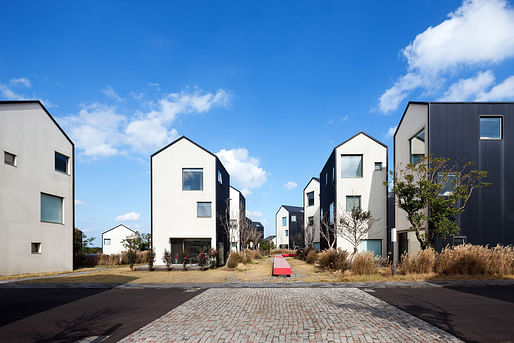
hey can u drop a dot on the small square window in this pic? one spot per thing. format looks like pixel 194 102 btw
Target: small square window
pixel 378 166
pixel 107 241
pixel 61 162
pixel 293 219
pixel 10 159
pixel 490 127
pixel 192 179
pixel 204 210
pixel 35 248
pixel 353 201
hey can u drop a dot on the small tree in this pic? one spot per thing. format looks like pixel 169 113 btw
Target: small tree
pixel 145 241
pixel 202 259
pixel 355 226
pixel 212 257
pixel 132 243
pixel 309 235
pixel 329 232
pixel 150 258
pixel 86 241
pixel 167 257
pixel 433 192
pixel 185 259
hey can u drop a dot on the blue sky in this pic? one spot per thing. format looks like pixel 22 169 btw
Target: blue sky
pixel 271 86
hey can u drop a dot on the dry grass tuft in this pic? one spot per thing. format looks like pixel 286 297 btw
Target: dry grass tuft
pixel 364 263
pixel 312 256
pixel 421 262
pixel 333 259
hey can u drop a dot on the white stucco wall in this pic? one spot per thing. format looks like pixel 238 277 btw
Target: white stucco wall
pixel 28 132
pixel 415 119
pixel 174 212
pixel 312 211
pixel 370 186
pixel 281 230
pixel 116 235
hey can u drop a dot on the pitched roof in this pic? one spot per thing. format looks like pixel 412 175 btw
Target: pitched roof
pixel 117 227
pixel 361 133
pixel 293 208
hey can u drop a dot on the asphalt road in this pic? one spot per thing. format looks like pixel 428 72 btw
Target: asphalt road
pixel 69 315
pixel 474 314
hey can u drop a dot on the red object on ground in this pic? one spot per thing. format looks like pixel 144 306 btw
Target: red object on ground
pixel 288 255
pixel 281 267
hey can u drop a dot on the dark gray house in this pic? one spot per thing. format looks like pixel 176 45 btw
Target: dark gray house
pixel 289 227
pixel 482 133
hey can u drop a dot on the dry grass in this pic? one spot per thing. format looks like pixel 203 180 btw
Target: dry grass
pixel 32 275
pixel 420 262
pixel 476 260
pixel 364 263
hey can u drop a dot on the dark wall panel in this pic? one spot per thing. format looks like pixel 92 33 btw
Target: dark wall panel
pixel 327 192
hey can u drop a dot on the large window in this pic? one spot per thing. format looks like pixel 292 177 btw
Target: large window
pixel 417 147
pixel 331 213
pixel 310 199
pixel 51 208
pixel 351 165
pixel 107 241
pixel 353 201
pixel 192 179
pixel 9 159
pixel 61 163
pixel 373 245
pixel 203 209
pixel 490 127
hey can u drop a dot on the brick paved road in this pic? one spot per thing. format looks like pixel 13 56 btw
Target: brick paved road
pixel 287 315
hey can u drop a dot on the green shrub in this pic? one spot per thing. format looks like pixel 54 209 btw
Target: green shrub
pixel 312 256
pixel 364 263
pixel 333 259
pixel 167 259
pixel 202 259
pixel 420 262
pixel 150 258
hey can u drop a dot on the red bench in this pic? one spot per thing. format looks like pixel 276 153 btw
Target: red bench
pixel 288 255
pixel 281 267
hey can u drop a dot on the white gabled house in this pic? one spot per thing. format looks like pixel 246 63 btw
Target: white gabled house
pixel 311 222
pixel 237 217
pixel 189 199
pixel 112 239
pixel 289 227
pixel 354 176
pixel 37 190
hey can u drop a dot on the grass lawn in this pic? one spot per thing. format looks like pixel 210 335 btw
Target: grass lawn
pixel 257 271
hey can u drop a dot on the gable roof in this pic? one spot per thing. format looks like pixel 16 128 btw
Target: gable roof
pixel 308 183
pixel 117 226
pixel 292 208
pixel 361 133
pixel 14 102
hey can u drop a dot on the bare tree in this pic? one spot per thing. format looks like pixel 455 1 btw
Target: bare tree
pixel 224 218
pixel 354 226
pixel 309 235
pixel 329 232
pixel 249 234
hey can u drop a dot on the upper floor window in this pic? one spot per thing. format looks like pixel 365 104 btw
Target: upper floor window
pixel 326 178
pixel 220 177
pixel 203 210
pixel 331 213
pixel 61 162
pixel 351 165
pixel 107 241
pixel 417 147
pixel 449 182
pixel 192 179
pixel 311 221
pixel 284 221
pixel 378 166
pixel 293 219
pixel 490 127
pixel 9 159
pixel 353 201
pixel 51 208
pixel 310 199
pixel 333 174
pixel 287 233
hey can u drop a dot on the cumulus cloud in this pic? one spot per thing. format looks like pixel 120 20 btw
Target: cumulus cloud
pixel 24 82
pixel 465 89
pixel 111 93
pixel 244 170
pixel 290 185
pixel 253 214
pixel 478 33
pixel 390 132
pixel 127 217
pixel 502 91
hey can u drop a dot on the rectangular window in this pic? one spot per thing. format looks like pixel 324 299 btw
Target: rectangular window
pixel 220 177
pixel 333 174
pixel 351 165
pixel 51 208
pixel 448 182
pixel 353 201
pixel 311 221
pixel 35 248
pixel 192 179
pixel 10 159
pixel 293 219
pixel 310 199
pixel 107 241
pixel 203 210
pixel 61 163
pixel 490 127
pixel 378 166
pixel 417 147
pixel 287 233
pixel 326 178
pixel 373 245
pixel 331 213
pixel 284 221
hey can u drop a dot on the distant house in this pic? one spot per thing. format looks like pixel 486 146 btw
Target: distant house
pixel 289 227
pixel 190 195
pixel 272 238
pixel 112 239
pixel 237 217
pixel 37 190
pixel 311 222
pixel 259 228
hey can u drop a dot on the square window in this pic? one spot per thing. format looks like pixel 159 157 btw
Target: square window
pixel 203 210
pixel 35 248
pixel 490 127
pixel 353 201
pixel 107 241
pixel 284 221
pixel 10 159
pixel 51 208
pixel 293 219
pixel 192 179
pixel 351 166
pixel 311 221
pixel 378 166
pixel 61 162
pixel 287 233
pixel 220 177
pixel 310 199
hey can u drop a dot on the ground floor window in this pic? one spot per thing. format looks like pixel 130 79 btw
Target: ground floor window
pixel 234 246
pixel 317 246
pixel 282 246
pixel 373 245
pixel 193 246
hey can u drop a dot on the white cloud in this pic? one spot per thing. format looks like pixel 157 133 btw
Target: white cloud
pixel 20 82
pixel 111 93
pixel 253 214
pixel 345 118
pixel 290 185
pixel 502 91
pixel 79 202
pixel 478 33
pixel 244 170
pixel 246 192
pixel 7 90
pixel 465 89
pixel 8 93
pixel 131 216
pixel 390 132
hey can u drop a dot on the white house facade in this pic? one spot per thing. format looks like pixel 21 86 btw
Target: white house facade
pixel 36 191
pixel 189 201
pixel 237 217
pixel 112 239
pixel 289 227
pixel 311 221
pixel 355 176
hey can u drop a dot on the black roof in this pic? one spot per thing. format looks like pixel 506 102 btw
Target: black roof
pixel 257 224
pixel 118 226
pixel 293 208
pixel 269 238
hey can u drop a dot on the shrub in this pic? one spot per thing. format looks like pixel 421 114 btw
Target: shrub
pixel 333 259
pixel 364 263
pixel 234 259
pixel 312 256
pixel 185 259
pixel 258 255
pixel 167 259
pixel 248 256
pixel 202 259
pixel 150 258
pixel 421 262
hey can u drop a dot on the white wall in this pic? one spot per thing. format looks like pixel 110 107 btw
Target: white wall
pixel 116 235
pixel 28 132
pixel 174 212
pixel 370 187
pixel 312 211
pixel 235 214
pixel 281 230
pixel 415 119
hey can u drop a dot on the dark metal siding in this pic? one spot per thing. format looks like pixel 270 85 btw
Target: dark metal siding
pixel 454 133
pixel 327 192
pixel 222 202
pixel 296 237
